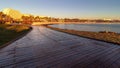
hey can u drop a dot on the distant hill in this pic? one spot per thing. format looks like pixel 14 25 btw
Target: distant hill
pixel 15 14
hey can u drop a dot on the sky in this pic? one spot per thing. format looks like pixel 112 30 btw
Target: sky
pixel 91 9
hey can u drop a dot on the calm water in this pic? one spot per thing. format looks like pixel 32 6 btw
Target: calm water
pixel 91 27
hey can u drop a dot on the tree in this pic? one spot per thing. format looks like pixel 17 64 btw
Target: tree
pixel 1 17
pixel 27 19
pixel 37 19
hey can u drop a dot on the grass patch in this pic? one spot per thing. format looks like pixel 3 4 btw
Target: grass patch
pixel 110 37
pixel 10 32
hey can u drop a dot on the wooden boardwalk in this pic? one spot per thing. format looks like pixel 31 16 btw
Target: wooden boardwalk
pixel 45 48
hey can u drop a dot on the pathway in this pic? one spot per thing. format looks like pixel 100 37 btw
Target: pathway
pixel 46 48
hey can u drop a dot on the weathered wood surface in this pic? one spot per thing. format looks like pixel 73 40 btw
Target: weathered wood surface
pixel 45 48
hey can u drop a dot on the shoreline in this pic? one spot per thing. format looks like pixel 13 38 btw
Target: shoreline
pixel 53 23
pixel 109 37
pixel 89 23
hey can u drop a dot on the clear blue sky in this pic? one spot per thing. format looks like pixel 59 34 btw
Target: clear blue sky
pixel 66 8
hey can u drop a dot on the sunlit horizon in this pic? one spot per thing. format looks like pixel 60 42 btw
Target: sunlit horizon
pixel 83 9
